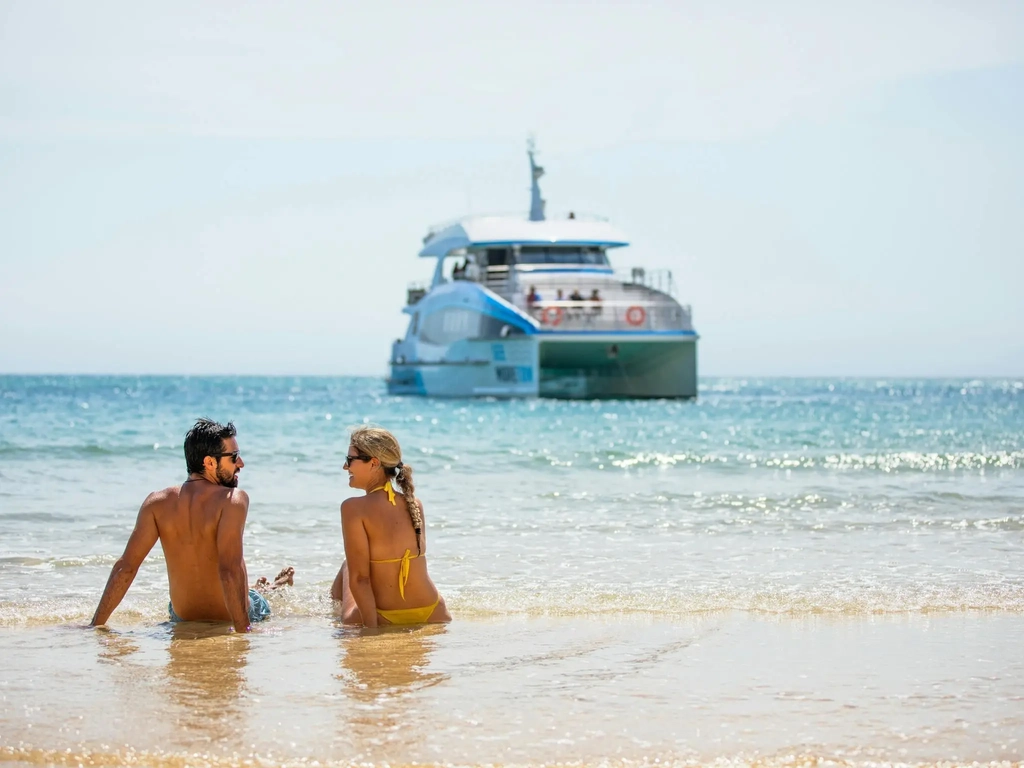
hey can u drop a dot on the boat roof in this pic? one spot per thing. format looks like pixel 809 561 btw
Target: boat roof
pixel 498 231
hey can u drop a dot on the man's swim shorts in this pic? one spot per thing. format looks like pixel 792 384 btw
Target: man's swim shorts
pixel 259 608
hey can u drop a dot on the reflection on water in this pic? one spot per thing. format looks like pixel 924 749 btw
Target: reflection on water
pixel 388 662
pixel 205 677
pixel 381 671
pixel 114 646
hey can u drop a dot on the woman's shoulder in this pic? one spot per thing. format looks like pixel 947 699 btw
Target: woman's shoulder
pixel 354 506
pixel 359 505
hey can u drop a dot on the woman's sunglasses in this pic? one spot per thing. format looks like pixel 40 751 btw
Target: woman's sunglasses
pixel 357 457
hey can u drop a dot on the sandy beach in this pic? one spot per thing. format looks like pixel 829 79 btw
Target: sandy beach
pixel 593 690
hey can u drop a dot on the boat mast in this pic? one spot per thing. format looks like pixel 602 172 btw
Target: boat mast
pixel 536 201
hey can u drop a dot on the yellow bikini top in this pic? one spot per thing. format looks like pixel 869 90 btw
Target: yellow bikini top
pixel 403 571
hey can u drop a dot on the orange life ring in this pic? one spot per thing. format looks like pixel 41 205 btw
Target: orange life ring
pixel 552 315
pixel 636 315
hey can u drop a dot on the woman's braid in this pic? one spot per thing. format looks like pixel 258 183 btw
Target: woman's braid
pixel 403 475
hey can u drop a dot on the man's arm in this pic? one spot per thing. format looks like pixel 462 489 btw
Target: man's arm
pixel 357 553
pixel 123 573
pixel 230 564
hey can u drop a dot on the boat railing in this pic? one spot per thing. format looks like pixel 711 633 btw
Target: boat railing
pixel 496 278
pixel 655 279
pixel 611 316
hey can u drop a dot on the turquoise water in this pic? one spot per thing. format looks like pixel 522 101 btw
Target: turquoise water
pixel 782 573
pixel 778 495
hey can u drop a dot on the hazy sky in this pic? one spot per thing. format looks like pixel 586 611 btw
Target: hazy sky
pixel 203 187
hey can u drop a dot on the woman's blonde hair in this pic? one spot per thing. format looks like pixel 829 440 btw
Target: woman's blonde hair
pixel 380 444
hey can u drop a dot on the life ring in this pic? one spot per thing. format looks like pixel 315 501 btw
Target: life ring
pixel 552 315
pixel 636 315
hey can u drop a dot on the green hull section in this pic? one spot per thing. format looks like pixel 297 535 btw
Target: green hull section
pixel 612 368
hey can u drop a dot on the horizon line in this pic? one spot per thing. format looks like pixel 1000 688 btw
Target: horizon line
pixel 383 376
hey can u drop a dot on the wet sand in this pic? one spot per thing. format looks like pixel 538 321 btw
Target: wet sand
pixel 726 687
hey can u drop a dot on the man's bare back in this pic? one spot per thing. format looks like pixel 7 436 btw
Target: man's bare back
pixel 199 525
pixel 190 519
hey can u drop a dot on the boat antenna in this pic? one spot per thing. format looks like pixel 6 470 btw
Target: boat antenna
pixel 536 201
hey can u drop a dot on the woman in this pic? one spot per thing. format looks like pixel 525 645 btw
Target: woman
pixel 384 577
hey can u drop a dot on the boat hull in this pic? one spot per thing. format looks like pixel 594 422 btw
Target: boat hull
pixel 570 366
pixel 618 367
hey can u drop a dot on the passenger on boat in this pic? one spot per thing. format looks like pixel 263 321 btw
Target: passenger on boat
pixel 384 579
pixel 532 297
pixel 577 308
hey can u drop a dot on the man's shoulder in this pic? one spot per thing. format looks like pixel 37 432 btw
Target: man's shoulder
pixel 221 494
pixel 233 499
pixel 216 496
pixel 238 498
pixel 162 495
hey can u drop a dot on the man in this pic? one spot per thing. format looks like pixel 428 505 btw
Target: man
pixel 199 524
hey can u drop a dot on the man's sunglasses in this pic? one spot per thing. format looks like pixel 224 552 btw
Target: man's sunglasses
pixel 233 455
pixel 357 457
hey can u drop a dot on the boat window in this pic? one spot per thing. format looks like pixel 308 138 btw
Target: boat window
pixel 542 254
pixel 454 323
pixel 497 256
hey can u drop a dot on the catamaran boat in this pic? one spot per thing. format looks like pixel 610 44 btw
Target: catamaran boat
pixel 527 306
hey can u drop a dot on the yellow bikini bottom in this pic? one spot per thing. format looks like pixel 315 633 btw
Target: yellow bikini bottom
pixel 409 615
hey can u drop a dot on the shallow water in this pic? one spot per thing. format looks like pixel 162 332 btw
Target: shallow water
pixel 529 690
pixel 782 572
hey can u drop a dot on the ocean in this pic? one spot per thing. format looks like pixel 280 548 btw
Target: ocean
pixel 782 572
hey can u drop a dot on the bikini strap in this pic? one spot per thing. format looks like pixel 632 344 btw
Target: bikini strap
pixel 389 490
pixel 403 569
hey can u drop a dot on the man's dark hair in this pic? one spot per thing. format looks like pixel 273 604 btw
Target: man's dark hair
pixel 206 438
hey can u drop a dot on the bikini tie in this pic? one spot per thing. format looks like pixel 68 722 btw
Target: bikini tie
pixel 389 490
pixel 403 573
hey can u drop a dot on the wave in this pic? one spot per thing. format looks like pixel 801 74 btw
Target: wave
pixel 468 604
pixel 63 452
pixel 27 561
pixel 885 462
pixel 771 601
pixel 610 459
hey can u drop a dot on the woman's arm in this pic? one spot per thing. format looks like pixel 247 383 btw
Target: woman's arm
pixel 357 554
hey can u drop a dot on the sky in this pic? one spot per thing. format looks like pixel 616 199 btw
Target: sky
pixel 242 188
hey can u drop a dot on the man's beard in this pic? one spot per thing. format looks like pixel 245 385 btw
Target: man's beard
pixel 227 479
